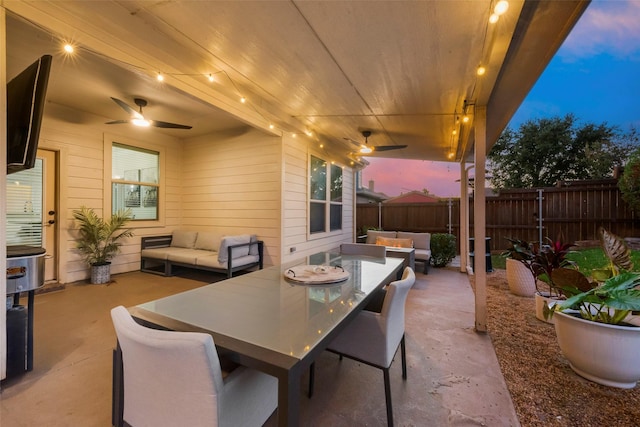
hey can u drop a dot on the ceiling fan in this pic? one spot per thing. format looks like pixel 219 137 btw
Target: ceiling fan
pixel 366 149
pixel 139 120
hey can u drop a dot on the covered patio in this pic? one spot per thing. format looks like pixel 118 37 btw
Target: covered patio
pixel 453 373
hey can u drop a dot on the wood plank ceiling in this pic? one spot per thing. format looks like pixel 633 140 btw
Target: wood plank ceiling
pixel 403 70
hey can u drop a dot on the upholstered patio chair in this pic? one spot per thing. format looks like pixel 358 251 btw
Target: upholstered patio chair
pixel 175 379
pixel 363 249
pixel 373 338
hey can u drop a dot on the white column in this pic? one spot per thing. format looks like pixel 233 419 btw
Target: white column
pixel 464 218
pixel 479 215
pixel 3 185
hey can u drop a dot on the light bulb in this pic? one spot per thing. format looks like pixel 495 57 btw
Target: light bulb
pixel 365 150
pixel 141 122
pixel 451 154
pixel 68 48
pixel 501 7
pixel 271 126
pixel 481 70
pixel 211 79
pixel 243 99
pixel 465 119
pixel 494 18
pixel 454 132
pixel 160 77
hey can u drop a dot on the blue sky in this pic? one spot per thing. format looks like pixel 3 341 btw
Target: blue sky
pixel 595 75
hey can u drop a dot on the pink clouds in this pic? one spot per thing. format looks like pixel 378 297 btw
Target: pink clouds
pixel 394 176
pixel 609 27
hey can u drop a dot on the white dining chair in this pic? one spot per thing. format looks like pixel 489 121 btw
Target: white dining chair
pixel 373 338
pixel 175 379
pixel 376 251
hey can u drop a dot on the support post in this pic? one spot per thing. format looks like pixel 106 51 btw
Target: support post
pixel 479 217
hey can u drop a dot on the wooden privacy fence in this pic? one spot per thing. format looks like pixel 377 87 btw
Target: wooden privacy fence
pixel 576 210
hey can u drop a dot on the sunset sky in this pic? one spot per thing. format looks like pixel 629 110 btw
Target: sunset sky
pixel 594 75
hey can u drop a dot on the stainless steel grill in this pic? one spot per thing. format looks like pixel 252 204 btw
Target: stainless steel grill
pixel 25 268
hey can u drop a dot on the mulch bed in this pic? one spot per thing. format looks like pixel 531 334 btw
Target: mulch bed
pixel 544 389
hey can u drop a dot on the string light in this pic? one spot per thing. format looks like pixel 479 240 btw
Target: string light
pixel 160 77
pixel 243 99
pixel 481 70
pixel 271 126
pixel 501 7
pixel 494 18
pixel 211 78
pixel 68 48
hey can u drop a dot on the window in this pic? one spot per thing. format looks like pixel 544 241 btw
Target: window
pixel 24 207
pixel 325 194
pixel 135 181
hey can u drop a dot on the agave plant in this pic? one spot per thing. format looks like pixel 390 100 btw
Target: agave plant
pixel 99 240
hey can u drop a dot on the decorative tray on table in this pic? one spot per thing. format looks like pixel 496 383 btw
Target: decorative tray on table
pixel 316 274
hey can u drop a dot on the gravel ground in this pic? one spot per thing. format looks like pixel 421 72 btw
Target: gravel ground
pixel 544 389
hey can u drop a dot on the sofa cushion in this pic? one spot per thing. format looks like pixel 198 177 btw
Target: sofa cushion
pixel 183 239
pixel 420 240
pixel 396 243
pixel 253 249
pixel 372 235
pixel 230 241
pixel 208 241
pixel 212 261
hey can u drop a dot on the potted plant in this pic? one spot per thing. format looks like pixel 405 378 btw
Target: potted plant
pixel 520 276
pixel 99 240
pixel 546 261
pixel 597 332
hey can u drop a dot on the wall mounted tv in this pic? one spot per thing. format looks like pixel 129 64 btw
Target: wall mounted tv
pixel 25 107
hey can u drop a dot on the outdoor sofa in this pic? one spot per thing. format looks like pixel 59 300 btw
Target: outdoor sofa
pixel 421 242
pixel 203 250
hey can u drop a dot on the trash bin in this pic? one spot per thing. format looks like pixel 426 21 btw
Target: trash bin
pixel 487 247
pixel 16 340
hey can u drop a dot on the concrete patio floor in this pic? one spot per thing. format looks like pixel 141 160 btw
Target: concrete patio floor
pixel 453 374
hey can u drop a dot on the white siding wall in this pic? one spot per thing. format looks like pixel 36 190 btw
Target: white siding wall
pixel 237 182
pixel 295 202
pixel 81 150
pixel 232 185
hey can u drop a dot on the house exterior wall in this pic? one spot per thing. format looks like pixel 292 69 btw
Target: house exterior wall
pixel 295 202
pixel 231 184
pixel 84 179
pixel 235 182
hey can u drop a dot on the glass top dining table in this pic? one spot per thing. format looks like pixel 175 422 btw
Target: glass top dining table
pixel 266 321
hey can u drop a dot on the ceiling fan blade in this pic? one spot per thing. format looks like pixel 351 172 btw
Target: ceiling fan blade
pixel 167 125
pixel 388 147
pixel 117 122
pixel 127 108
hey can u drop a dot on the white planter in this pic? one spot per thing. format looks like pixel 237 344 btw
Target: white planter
pixel 542 299
pixel 605 354
pixel 100 274
pixel 520 279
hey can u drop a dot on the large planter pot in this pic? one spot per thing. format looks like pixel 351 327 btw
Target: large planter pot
pixel 101 273
pixel 520 279
pixel 605 354
pixel 542 299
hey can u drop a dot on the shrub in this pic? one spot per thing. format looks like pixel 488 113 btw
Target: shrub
pixel 443 249
pixel 629 183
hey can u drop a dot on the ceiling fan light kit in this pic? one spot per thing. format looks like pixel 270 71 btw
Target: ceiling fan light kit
pixel 367 149
pixel 138 119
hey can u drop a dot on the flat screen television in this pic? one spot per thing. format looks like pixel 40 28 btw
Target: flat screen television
pixel 25 106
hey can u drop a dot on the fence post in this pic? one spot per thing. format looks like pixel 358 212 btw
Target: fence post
pixel 540 198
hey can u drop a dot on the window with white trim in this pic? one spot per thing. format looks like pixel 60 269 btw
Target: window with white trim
pixel 325 196
pixel 135 181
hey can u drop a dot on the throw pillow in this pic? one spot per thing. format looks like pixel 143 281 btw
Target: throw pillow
pixel 395 243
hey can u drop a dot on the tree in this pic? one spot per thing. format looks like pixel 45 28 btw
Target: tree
pixel 544 151
pixel 629 184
